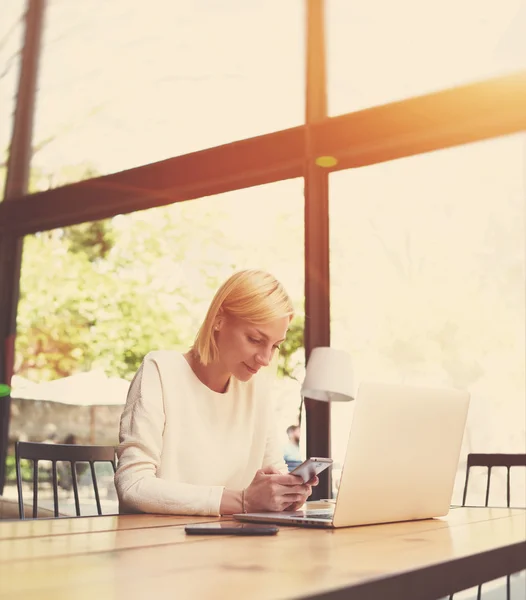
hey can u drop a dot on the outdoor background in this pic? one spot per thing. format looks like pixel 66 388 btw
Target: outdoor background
pixel 427 253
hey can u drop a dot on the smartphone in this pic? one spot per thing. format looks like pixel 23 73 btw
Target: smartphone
pixel 231 528
pixel 311 467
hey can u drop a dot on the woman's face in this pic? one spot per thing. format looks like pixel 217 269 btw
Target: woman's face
pixel 244 347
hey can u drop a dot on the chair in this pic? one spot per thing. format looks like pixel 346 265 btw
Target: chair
pixel 489 461
pixel 37 451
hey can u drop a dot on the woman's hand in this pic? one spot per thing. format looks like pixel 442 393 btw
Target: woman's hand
pixel 297 505
pixel 272 491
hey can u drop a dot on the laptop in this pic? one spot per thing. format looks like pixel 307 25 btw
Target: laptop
pixel 401 460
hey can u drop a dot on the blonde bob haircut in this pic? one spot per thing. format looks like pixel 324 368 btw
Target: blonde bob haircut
pixel 252 295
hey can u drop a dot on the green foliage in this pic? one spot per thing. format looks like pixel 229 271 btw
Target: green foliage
pixel 288 358
pixel 104 294
pixel 26 469
pixel 77 313
pixel 94 239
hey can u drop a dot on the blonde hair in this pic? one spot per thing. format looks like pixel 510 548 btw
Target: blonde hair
pixel 252 295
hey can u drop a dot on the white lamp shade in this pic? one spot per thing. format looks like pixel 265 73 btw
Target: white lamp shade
pixel 329 376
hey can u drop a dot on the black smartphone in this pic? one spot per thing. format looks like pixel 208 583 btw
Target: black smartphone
pixel 231 528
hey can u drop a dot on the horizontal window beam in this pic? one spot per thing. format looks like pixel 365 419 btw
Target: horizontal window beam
pixel 242 164
pixel 444 119
pixel 422 124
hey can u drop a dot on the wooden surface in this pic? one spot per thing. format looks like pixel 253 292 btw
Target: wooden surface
pixel 49 527
pixel 142 556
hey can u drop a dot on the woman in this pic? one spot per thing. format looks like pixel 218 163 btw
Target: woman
pixel 197 433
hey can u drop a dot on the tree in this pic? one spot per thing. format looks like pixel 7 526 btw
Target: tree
pixel 288 351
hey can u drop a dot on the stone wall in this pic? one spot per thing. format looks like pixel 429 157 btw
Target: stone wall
pixel 31 418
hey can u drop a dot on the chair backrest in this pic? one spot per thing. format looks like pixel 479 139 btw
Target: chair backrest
pixel 70 453
pixel 489 461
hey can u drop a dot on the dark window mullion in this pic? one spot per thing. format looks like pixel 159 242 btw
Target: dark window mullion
pixel 317 280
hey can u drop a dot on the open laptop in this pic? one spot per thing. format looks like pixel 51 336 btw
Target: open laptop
pixel 401 459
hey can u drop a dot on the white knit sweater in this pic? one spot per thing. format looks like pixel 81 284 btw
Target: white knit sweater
pixel 181 443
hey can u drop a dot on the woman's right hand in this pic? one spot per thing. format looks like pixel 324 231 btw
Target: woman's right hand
pixel 272 491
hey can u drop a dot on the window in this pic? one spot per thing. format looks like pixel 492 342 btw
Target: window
pixel 428 267
pixel 380 51
pixel 173 78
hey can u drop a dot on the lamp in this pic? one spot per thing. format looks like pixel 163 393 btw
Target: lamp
pixel 329 376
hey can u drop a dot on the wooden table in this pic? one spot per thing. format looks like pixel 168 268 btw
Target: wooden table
pixel 149 556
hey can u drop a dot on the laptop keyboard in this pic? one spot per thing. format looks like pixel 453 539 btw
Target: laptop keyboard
pixel 319 515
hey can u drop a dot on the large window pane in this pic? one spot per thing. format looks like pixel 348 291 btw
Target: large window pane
pixel 11 40
pixel 428 278
pixel 380 51
pixel 95 298
pixel 163 78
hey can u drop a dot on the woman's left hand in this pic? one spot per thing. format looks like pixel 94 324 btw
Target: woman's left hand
pixel 311 483
pixel 297 505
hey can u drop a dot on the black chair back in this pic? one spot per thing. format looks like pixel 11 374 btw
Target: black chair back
pixel 489 461
pixel 70 453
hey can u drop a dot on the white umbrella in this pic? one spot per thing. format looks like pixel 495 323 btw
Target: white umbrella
pixel 91 388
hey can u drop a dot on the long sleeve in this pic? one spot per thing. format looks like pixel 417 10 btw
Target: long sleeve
pixel 141 443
